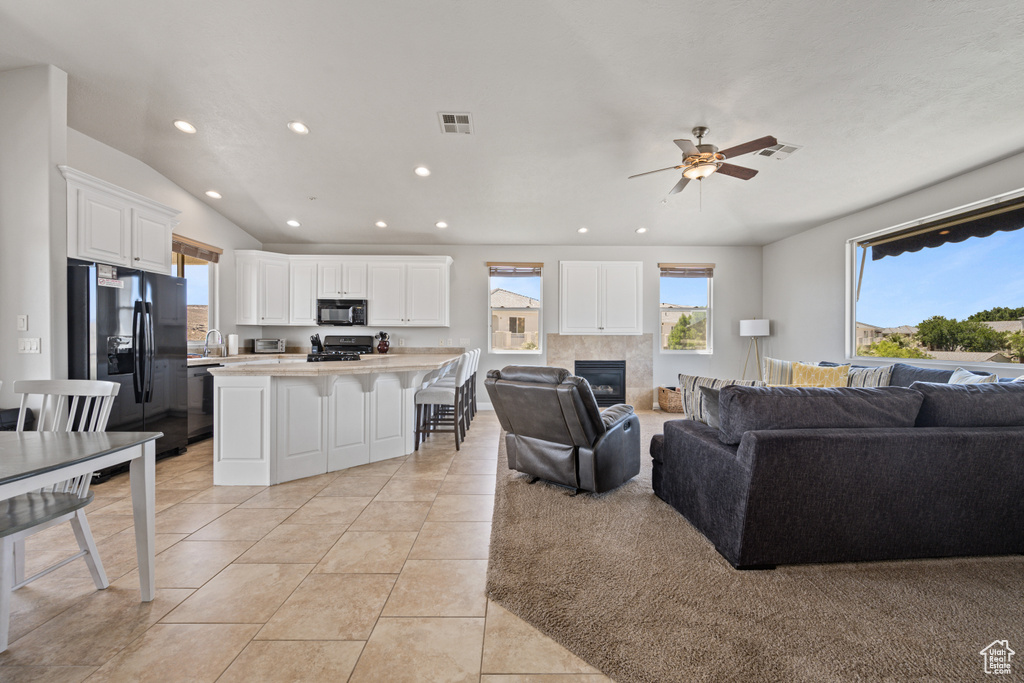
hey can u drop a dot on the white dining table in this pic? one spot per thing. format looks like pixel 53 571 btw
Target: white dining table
pixel 33 460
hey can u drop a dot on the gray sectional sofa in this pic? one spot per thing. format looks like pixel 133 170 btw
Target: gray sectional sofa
pixel 798 475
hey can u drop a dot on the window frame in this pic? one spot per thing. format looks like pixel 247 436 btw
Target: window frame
pixel 539 310
pixel 709 310
pixel 853 275
pixel 178 270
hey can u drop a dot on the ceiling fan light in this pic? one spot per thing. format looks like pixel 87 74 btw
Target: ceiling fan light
pixel 700 170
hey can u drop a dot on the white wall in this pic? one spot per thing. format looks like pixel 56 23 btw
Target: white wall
pixel 805 275
pixel 33 219
pixel 198 220
pixel 737 295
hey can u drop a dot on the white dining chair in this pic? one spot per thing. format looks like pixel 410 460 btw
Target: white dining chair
pixel 68 405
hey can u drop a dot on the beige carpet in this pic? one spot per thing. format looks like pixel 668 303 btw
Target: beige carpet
pixel 622 580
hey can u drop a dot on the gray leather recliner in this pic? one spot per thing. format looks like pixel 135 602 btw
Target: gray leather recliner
pixel 556 432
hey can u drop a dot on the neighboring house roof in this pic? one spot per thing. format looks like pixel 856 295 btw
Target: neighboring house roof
pixel 1005 325
pixel 502 298
pixel 900 329
pixel 866 326
pixel 970 356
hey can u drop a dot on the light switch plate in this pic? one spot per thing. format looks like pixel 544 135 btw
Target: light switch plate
pixel 464 341
pixel 22 323
pixel 28 345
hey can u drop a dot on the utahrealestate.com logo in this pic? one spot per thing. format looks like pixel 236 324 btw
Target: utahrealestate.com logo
pixel 997 656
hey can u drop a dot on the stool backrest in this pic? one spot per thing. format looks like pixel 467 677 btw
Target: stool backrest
pixel 462 370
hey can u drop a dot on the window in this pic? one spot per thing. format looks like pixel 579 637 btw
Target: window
pixel 686 306
pixel 514 291
pixel 946 288
pixel 195 262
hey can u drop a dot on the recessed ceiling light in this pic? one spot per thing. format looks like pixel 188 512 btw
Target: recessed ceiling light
pixel 581 230
pixel 441 224
pixel 381 224
pixel 298 127
pixel 422 171
pixel 294 223
pixel 213 194
pixel 184 126
pixel 641 230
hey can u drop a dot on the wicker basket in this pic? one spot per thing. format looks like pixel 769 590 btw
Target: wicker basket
pixel 670 400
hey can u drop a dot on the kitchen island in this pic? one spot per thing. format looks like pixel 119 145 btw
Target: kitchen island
pixel 283 419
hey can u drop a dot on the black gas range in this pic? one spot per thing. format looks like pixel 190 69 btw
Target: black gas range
pixel 338 348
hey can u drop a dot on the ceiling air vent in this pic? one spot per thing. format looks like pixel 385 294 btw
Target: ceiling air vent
pixel 456 123
pixel 779 151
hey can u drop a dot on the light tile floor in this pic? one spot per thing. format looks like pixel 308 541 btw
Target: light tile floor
pixel 371 574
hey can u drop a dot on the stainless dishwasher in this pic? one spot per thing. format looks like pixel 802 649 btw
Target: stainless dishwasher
pixel 200 402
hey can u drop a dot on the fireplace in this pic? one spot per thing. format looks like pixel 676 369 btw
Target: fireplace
pixel 607 379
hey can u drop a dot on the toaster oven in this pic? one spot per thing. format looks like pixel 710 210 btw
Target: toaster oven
pixel 268 346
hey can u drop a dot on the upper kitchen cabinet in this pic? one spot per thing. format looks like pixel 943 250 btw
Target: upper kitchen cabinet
pixel 262 288
pixel 109 224
pixel 338 278
pixel 600 297
pixel 409 292
pixel 302 288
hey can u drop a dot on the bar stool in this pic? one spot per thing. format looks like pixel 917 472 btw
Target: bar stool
pixel 440 405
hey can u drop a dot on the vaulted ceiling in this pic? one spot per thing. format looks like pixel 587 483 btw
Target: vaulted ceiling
pixel 568 98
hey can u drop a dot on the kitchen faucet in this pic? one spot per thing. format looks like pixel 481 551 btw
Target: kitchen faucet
pixel 206 344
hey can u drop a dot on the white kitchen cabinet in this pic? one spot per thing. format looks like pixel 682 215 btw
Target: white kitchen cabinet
pixel 273 298
pixel 600 297
pixel 302 289
pixel 409 293
pixel 109 224
pixel 341 279
pixel 247 275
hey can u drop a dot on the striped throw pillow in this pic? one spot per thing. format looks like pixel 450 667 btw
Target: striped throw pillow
pixel 869 377
pixel 778 371
pixel 692 399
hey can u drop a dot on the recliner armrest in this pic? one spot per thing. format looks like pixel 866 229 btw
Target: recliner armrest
pixel 613 415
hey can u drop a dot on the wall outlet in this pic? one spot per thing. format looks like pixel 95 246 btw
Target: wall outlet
pixel 28 345
pixel 450 341
pixel 440 342
pixel 464 341
pixel 22 323
pixel 401 342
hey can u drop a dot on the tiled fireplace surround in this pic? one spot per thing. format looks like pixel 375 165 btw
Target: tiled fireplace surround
pixel 636 349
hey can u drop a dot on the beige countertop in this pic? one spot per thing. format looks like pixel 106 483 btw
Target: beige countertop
pixel 288 365
pixel 242 358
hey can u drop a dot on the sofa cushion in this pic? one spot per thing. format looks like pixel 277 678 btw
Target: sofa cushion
pixel 710 397
pixel 993 404
pixel 869 377
pixel 744 409
pixel 693 402
pixel 961 376
pixel 821 376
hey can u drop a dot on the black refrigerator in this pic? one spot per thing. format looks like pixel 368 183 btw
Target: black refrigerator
pixel 129 326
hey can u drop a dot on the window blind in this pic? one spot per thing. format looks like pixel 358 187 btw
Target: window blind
pixel 515 269
pixel 195 249
pixel 687 269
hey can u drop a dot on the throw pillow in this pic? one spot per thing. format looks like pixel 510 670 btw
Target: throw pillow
pixel 820 376
pixel 693 401
pixel 869 377
pixel 1019 380
pixel 961 376
pixel 778 371
pixel 710 397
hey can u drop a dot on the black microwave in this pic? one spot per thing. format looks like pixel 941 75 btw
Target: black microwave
pixel 341 311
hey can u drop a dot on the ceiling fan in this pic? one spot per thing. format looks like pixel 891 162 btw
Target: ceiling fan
pixel 700 160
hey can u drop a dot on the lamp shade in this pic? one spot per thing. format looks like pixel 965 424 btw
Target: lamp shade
pixel 754 328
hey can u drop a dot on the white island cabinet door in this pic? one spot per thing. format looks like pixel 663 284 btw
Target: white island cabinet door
pixel 387 294
pixel 348 441
pixel 579 300
pixel 302 289
pixel 273 288
pixel 301 449
pixel 622 297
pixel 426 300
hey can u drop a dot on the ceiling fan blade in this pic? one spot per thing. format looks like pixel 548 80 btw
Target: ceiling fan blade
pixel 667 168
pixel 680 185
pixel 741 172
pixel 688 148
pixel 747 147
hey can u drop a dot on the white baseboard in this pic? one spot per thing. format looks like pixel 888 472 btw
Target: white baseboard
pixel 484 406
